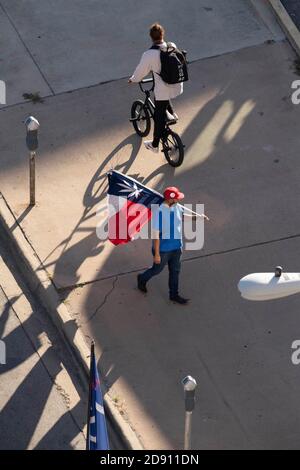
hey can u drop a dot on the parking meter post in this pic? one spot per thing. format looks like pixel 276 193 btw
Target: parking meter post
pixel 189 385
pixel 32 177
pixel 32 127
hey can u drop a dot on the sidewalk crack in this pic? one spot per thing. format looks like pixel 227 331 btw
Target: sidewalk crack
pixel 104 301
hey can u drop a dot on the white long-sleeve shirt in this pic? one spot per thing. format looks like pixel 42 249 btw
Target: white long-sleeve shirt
pixel 150 62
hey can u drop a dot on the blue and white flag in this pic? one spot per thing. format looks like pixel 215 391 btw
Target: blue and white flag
pixel 97 432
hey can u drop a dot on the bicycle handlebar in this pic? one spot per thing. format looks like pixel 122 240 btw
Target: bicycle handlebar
pixel 146 80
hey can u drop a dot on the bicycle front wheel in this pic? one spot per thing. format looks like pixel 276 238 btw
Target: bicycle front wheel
pixel 173 148
pixel 140 118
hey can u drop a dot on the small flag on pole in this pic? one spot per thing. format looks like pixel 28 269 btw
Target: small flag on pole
pixel 130 207
pixel 97 438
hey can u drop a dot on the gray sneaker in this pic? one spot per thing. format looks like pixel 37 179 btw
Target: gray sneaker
pixel 171 117
pixel 149 146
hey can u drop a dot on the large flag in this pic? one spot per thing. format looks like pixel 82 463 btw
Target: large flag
pixel 130 206
pixel 97 438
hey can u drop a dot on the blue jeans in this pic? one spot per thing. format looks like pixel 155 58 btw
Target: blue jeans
pixel 173 260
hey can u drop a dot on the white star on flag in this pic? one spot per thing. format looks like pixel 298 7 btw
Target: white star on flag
pixel 132 191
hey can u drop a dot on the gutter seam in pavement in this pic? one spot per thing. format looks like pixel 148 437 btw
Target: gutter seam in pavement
pixel 215 253
pixel 41 267
pixel 113 80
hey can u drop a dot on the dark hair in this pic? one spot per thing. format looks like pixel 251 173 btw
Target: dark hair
pixel 157 32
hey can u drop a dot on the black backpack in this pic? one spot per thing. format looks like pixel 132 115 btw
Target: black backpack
pixel 173 65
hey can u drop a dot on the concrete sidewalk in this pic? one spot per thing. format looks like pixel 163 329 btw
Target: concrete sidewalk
pixel 239 352
pixel 69 44
pixel 229 120
pixel 242 160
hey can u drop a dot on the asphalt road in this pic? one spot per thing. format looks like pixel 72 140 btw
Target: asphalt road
pixel 293 8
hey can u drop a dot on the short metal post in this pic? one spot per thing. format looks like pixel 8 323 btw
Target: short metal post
pixel 32 127
pixel 188 430
pixel 189 384
pixel 32 177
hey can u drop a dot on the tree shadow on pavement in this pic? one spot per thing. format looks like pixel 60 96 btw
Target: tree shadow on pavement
pixel 34 396
pixel 95 194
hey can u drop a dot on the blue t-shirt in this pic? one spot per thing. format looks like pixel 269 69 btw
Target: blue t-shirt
pixel 168 222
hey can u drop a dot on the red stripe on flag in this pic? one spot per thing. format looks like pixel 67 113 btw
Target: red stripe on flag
pixel 126 223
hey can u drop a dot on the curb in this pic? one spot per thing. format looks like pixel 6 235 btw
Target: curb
pixel 287 24
pixel 40 283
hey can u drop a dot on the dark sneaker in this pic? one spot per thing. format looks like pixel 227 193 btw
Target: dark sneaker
pixel 179 300
pixel 141 285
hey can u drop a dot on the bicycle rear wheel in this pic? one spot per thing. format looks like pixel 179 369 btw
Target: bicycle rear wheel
pixel 140 118
pixel 173 148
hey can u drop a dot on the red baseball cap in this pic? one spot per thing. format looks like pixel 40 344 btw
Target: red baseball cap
pixel 173 193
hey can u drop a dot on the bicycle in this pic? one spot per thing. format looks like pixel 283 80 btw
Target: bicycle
pixel 141 114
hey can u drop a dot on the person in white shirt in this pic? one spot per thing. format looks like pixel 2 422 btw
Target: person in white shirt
pixel 163 92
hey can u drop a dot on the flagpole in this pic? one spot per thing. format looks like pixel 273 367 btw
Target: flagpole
pixel 89 400
pixel 193 212
pixel 154 191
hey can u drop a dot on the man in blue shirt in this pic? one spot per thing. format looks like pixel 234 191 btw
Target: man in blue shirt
pixel 167 243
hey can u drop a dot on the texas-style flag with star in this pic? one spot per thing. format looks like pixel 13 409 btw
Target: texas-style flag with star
pixel 97 436
pixel 130 206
